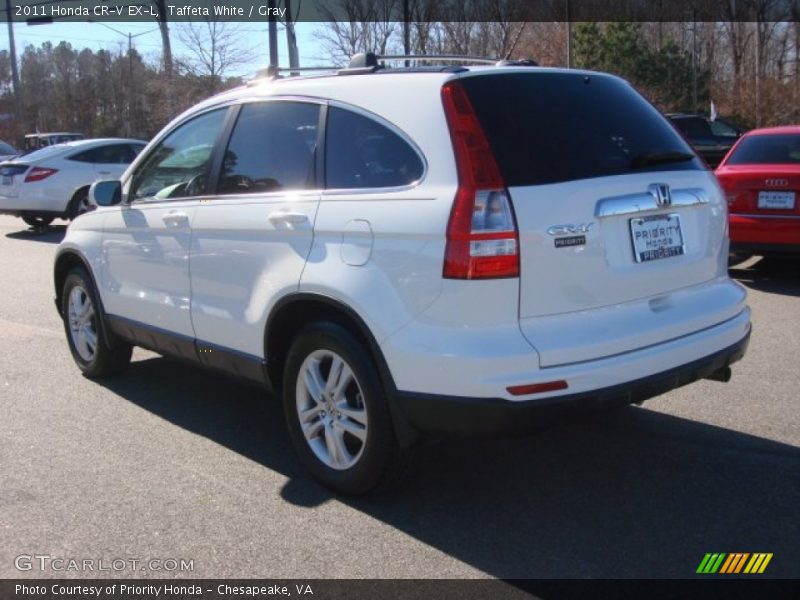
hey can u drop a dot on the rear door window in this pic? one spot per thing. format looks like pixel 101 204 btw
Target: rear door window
pixel 362 153
pixel 109 155
pixel 552 127
pixel 272 149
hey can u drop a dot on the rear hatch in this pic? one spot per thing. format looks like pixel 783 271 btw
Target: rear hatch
pixel 762 189
pixel 11 175
pixel 617 216
pixel 762 175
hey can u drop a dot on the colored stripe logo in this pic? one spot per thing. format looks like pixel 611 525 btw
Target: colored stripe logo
pixel 733 563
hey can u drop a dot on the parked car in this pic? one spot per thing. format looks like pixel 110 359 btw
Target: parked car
pixel 7 151
pixel 761 177
pixel 520 242
pixel 54 182
pixel 711 138
pixel 35 141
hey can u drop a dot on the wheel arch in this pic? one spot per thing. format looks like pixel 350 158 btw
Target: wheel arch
pixel 67 260
pixel 74 197
pixel 291 313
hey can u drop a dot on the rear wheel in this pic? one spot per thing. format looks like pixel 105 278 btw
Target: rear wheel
pixel 336 411
pixel 38 222
pixel 83 324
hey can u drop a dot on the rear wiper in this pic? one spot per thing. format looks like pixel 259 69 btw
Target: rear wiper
pixel 647 159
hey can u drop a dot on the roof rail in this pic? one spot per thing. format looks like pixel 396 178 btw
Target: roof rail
pixel 441 58
pixel 369 62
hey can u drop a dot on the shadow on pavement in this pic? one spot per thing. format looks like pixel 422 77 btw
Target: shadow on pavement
pixel 52 234
pixel 771 274
pixel 632 493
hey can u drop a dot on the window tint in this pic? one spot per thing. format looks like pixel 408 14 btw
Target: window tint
pixel 362 153
pixel 177 166
pixel 723 129
pixel 111 154
pixel 550 127
pixel 765 149
pixel 694 128
pixel 271 148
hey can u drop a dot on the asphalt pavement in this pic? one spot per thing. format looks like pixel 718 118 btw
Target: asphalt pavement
pixel 169 462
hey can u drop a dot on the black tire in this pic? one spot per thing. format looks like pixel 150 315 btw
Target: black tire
pixel 79 204
pixel 103 360
pixel 38 222
pixel 380 460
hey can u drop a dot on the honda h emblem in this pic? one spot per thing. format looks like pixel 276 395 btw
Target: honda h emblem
pixel 660 192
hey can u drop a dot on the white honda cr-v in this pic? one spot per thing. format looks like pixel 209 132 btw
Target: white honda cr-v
pixel 413 250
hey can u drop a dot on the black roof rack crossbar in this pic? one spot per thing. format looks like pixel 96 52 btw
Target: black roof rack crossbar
pixel 320 68
pixel 441 58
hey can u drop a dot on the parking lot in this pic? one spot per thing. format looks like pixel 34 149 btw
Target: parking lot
pixel 170 462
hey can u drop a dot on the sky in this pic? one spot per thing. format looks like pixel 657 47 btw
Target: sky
pixel 148 40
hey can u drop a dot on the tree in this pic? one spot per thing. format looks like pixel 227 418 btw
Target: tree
pixel 216 49
pixel 353 26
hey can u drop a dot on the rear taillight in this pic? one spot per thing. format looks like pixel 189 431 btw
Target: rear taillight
pixel 482 237
pixel 39 173
pixel 735 197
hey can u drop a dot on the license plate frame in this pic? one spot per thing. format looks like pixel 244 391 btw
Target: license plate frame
pixel 8 179
pixel 774 200
pixel 655 237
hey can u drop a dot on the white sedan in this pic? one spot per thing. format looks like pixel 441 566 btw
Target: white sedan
pixel 53 182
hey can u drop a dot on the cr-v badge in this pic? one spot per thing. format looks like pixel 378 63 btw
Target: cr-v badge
pixel 567 230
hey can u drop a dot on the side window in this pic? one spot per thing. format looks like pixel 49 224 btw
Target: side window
pixel 271 148
pixel 109 155
pixel 362 153
pixel 87 156
pixel 723 129
pixel 176 167
pixel 131 152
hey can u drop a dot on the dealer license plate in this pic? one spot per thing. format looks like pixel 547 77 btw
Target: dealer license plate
pixel 778 200
pixel 657 236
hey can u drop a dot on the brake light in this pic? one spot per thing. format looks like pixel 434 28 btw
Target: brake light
pixel 39 173
pixel 482 236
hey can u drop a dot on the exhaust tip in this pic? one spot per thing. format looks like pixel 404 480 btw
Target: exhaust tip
pixel 723 374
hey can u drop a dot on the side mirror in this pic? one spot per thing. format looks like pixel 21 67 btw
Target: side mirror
pixel 106 193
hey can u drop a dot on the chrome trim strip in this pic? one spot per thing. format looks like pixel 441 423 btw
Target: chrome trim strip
pixel 644 201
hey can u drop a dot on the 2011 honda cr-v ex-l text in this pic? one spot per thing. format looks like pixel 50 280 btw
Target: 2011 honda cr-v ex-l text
pixel 398 251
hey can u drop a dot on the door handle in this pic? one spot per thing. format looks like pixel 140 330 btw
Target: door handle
pixel 104 172
pixel 175 218
pixel 288 218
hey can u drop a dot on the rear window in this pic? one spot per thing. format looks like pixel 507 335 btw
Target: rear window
pixel 46 152
pixel 694 127
pixel 767 149
pixel 552 127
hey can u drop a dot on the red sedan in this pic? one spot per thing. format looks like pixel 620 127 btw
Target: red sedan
pixel 761 177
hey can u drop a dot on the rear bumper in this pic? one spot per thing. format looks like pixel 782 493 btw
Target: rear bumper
pixel 448 414
pixel 764 233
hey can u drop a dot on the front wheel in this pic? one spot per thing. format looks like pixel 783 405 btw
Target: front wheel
pixel 83 324
pixel 338 418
